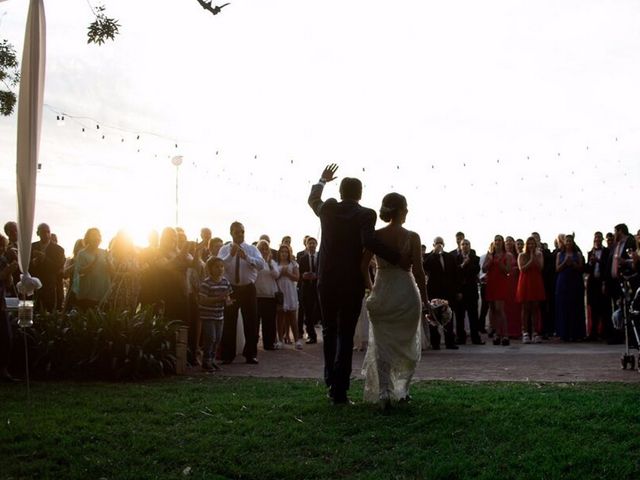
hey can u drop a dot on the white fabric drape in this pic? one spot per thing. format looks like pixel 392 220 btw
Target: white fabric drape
pixel 30 99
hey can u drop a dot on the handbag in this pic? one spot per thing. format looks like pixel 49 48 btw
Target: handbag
pixel 279 297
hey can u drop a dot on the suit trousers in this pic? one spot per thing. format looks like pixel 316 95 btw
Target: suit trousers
pixel 468 305
pixel 244 299
pixel 46 298
pixel 311 307
pixel 340 310
pixel 267 315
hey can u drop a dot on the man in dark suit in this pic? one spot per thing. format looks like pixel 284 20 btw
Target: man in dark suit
pixel 599 303
pixel 467 302
pixel 308 285
pixel 442 282
pixel 47 261
pixel 620 263
pixel 347 228
pixel 458 250
pixel 301 313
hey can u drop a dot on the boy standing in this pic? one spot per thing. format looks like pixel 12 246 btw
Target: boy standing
pixel 215 291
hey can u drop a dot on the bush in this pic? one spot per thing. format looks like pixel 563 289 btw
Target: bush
pixel 101 345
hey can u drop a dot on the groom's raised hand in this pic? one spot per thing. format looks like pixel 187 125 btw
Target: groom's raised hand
pixel 329 172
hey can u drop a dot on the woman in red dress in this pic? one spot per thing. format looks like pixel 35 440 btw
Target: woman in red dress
pixel 530 290
pixel 497 264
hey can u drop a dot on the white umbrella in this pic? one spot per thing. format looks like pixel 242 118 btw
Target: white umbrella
pixel 29 125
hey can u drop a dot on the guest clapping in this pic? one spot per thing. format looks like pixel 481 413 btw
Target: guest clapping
pixel 266 289
pixel 570 323
pixel 92 272
pixel 530 290
pixel 498 263
pixel 287 279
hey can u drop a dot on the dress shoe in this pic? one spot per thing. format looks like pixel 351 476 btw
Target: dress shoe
pixel 252 361
pixel 311 341
pixel 452 346
pixel 477 341
pixel 341 400
pixel 435 347
pixel 461 341
pixel 226 362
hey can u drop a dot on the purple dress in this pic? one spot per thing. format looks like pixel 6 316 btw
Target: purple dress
pixel 570 318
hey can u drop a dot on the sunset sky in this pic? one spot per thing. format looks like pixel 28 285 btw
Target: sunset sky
pixel 491 117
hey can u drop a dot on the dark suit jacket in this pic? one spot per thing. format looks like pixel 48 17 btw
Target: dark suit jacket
pixel 468 275
pixel 445 283
pixel 456 252
pixel 49 269
pixel 630 242
pixel 604 263
pixel 305 266
pixel 347 228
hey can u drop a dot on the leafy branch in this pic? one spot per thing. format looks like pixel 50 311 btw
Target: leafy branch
pixel 9 76
pixel 103 27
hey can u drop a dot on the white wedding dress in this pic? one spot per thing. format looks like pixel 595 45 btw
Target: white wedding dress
pixel 394 336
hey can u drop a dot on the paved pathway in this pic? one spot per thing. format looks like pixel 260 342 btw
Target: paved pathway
pixel 548 362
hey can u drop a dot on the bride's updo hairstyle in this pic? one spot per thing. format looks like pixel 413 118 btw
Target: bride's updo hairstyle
pixel 392 205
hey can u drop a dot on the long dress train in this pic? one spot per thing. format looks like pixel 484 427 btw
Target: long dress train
pixel 394 336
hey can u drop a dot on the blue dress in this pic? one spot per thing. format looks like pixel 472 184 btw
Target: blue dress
pixel 570 319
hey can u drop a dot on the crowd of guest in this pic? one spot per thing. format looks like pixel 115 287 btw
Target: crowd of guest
pixel 517 289
pixel 530 292
pixel 204 284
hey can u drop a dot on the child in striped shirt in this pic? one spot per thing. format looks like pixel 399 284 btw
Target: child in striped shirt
pixel 215 291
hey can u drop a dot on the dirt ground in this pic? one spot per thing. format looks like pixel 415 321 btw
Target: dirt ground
pixel 552 361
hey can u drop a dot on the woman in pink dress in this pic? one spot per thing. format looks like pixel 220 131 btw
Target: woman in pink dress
pixel 530 290
pixel 497 265
pixel 512 308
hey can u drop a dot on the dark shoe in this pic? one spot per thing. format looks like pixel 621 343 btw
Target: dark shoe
pixel 452 346
pixel 252 361
pixel 477 341
pixel 461 341
pixel 385 405
pixel 342 400
pixel 435 347
pixel 311 341
pixel 505 341
pixel 226 362
pixel 207 367
pixel 8 379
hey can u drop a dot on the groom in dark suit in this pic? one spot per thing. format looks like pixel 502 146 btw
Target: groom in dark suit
pixel 347 228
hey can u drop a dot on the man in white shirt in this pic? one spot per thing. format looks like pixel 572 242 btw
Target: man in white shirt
pixel 242 262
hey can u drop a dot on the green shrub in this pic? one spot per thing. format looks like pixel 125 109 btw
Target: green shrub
pixel 106 345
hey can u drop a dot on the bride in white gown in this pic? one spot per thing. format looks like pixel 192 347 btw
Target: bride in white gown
pixel 395 311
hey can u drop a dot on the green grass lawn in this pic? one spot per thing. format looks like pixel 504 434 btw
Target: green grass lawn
pixel 215 427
